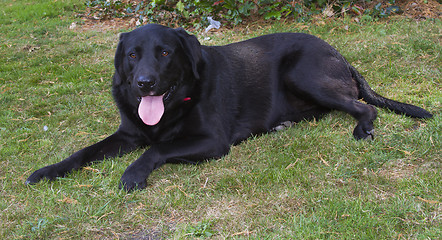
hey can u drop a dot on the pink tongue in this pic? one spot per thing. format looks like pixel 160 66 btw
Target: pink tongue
pixel 151 109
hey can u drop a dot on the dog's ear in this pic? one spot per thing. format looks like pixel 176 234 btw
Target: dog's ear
pixel 192 48
pixel 119 75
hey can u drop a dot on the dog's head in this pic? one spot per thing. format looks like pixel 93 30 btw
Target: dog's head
pixel 159 67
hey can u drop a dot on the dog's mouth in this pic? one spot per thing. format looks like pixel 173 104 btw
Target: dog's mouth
pixel 166 95
pixel 151 108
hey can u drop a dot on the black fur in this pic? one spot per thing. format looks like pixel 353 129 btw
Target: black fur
pixel 218 96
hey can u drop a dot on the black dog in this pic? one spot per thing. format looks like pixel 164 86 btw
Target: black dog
pixel 191 102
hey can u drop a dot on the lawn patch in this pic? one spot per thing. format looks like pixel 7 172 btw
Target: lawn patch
pixel 309 181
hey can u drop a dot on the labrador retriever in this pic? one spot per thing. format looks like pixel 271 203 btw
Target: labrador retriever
pixel 190 102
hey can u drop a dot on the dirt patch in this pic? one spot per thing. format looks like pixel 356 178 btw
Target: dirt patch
pixel 102 25
pixel 421 9
pixel 403 169
pixel 398 170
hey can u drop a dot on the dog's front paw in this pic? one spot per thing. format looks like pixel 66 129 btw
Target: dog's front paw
pixel 49 172
pixel 131 181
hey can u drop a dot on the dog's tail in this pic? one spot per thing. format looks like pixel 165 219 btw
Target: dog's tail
pixel 371 97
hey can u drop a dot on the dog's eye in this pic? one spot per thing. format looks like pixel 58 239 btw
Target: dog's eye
pixel 164 53
pixel 133 55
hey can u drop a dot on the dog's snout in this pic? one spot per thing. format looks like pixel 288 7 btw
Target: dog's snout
pixel 145 82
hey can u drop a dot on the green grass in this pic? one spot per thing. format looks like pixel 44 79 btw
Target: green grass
pixel 312 181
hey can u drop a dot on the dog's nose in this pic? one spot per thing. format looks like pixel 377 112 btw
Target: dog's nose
pixel 145 82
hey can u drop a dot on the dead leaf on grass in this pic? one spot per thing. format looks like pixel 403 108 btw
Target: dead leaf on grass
pixel 92 169
pixel 428 201
pixel 68 200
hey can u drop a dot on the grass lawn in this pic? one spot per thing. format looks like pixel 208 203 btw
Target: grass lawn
pixel 312 181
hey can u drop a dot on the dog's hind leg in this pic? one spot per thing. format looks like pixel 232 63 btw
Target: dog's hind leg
pixel 338 93
pixel 364 113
